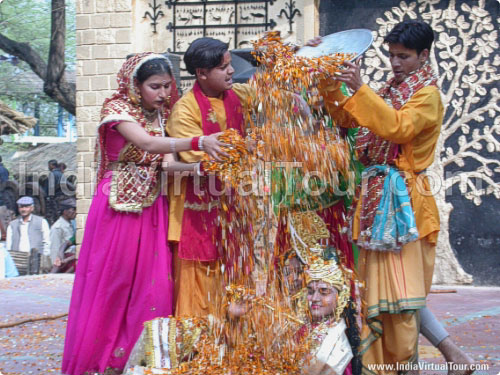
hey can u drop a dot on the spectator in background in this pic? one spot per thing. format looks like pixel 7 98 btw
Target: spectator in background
pixel 56 188
pixel 62 238
pixel 62 167
pixel 67 184
pixel 3 231
pixel 4 173
pixel 7 266
pixel 52 186
pixel 28 231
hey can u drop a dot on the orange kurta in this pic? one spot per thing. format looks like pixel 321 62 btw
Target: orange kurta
pixel 416 127
pixel 197 284
pixel 396 283
pixel 185 122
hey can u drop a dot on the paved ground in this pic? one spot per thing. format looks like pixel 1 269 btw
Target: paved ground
pixel 471 315
pixel 34 347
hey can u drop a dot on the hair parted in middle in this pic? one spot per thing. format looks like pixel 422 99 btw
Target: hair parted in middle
pixel 205 53
pixel 153 67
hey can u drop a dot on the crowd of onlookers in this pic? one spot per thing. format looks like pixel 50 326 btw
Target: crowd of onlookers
pixel 28 245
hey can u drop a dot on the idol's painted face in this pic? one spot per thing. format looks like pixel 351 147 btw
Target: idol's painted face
pixel 155 90
pixel 322 298
pixel 217 80
pixel 405 60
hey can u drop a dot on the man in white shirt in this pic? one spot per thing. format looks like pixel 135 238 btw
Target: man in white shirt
pixel 62 236
pixel 28 231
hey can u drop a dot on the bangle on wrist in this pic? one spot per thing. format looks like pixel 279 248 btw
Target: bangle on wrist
pixel 195 143
pixel 201 147
pixel 198 169
pixel 172 145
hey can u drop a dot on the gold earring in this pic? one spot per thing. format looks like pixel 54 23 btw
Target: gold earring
pixel 135 95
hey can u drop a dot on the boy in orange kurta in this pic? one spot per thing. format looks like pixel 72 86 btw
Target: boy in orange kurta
pixel 214 104
pixel 400 130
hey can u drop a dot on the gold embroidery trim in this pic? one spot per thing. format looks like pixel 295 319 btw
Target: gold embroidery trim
pixel 149 354
pixel 310 229
pixel 131 206
pixel 202 206
pixel 193 333
pixel 172 342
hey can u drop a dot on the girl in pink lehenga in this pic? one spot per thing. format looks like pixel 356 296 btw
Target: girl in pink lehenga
pixel 124 273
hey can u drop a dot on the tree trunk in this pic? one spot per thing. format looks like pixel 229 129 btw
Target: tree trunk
pixel 447 269
pixel 55 84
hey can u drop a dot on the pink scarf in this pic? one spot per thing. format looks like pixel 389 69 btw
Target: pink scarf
pixel 232 106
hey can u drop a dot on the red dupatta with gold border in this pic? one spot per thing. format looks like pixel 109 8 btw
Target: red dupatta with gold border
pixel 201 236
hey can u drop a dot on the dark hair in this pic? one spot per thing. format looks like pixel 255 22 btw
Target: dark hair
pixel 0 159
pixel 353 335
pixel 53 162
pixel 415 35
pixel 204 53
pixel 152 67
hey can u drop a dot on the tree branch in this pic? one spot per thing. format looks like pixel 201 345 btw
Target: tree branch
pixel 469 116
pixel 24 52
pixel 52 74
pixel 472 155
pixel 467 176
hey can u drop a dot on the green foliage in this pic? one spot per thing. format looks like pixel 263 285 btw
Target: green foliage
pixel 70 56
pixel 29 21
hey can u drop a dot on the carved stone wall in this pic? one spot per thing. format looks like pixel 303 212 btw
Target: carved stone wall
pixel 172 25
pixel 466 171
pixel 107 31
pixel 103 37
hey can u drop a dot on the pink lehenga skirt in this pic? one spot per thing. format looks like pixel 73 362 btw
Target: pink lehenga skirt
pixel 123 278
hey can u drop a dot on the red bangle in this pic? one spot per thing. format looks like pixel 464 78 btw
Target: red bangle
pixel 194 144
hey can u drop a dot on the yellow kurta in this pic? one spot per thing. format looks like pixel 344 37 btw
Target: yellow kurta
pixel 185 122
pixel 197 283
pixel 396 283
pixel 416 127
